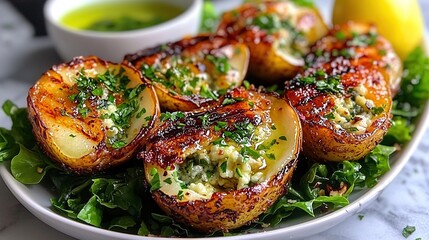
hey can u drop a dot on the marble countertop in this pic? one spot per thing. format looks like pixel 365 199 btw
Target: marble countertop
pixel 24 58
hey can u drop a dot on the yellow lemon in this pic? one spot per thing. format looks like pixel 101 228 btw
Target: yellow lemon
pixel 400 21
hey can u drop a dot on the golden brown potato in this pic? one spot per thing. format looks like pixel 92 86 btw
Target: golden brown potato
pixel 193 71
pixel 358 42
pixel 344 98
pixel 219 168
pixel 90 115
pixel 278 35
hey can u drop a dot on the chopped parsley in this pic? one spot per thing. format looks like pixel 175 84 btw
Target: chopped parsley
pixel 247 151
pixel 246 84
pixel 238 171
pixel 181 77
pixel 221 63
pixel 408 230
pixel 228 101
pixel 220 125
pixel 173 116
pixel 267 146
pixel 271 156
pixel 323 82
pixel 104 90
pixel 180 194
pixel 168 180
pixel 377 110
pixel 223 166
pixel 155 182
pixel 340 35
pixel 330 116
pixel 363 40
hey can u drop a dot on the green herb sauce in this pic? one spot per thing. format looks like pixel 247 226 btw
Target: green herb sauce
pixel 122 16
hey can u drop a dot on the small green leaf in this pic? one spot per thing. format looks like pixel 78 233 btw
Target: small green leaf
pixel 223 166
pixel 408 230
pixel 143 230
pixel 91 213
pixel 28 167
pixel 123 222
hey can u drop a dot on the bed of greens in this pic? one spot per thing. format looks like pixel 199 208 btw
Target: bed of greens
pixel 121 201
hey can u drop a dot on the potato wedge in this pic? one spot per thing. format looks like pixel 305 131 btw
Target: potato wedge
pixel 344 98
pixel 193 71
pixel 90 115
pixel 219 168
pixel 278 34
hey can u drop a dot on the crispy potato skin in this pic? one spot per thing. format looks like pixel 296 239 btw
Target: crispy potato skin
pixel 322 140
pixel 226 209
pixel 187 47
pixel 51 112
pixel 266 65
pixel 381 52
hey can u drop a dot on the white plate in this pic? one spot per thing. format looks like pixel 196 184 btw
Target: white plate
pixel 36 199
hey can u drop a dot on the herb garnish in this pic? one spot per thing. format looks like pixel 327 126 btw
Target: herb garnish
pixel 81 196
pixel 408 230
pixel 102 89
pixel 363 40
pixel 221 63
pixel 323 82
pixel 155 183
pixel 173 116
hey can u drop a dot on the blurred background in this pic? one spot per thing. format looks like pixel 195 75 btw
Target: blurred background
pixel 32 10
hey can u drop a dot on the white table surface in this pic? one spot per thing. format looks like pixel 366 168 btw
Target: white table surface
pixel 24 58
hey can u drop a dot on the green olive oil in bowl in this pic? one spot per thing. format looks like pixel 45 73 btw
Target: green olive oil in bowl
pixel 121 16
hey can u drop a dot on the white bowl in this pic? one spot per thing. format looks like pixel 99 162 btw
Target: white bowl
pixel 113 46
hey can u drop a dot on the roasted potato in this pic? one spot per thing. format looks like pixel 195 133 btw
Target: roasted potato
pixel 193 71
pixel 90 115
pixel 343 98
pixel 358 42
pixel 219 168
pixel 278 34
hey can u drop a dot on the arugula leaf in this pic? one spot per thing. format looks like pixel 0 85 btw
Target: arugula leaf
pixel 28 167
pixel 375 164
pixel 115 193
pixel 123 222
pixel 399 132
pixel 92 212
pixel 21 126
pixel 414 90
pixel 285 207
pixel 8 147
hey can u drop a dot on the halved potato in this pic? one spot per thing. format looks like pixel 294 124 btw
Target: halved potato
pixel 219 168
pixel 90 115
pixel 193 71
pixel 343 99
pixel 278 35
pixel 358 42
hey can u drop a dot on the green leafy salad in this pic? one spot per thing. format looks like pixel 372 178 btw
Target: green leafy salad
pixel 121 200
